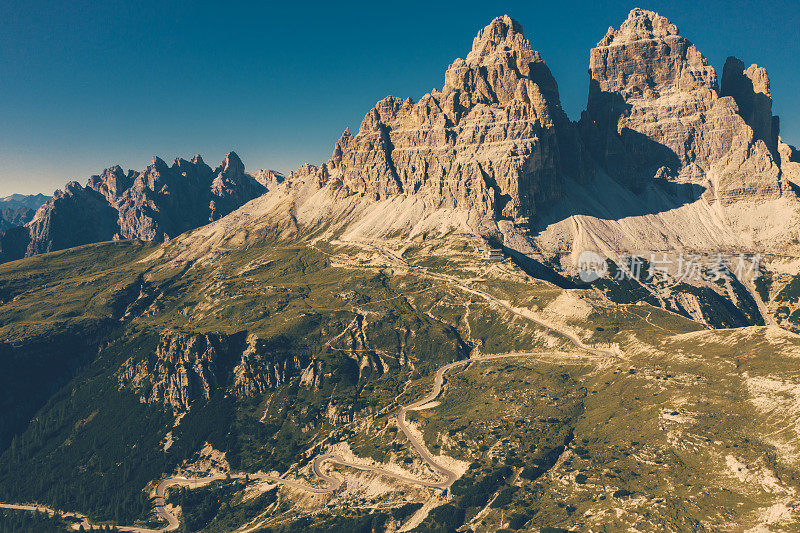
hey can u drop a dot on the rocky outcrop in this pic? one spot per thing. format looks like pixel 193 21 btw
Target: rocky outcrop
pixel 655 111
pixel 189 367
pixel 183 369
pixel 494 140
pixel 72 217
pixel 750 88
pixel 790 163
pixel 260 369
pixel 269 178
pixel 18 210
pixel 153 205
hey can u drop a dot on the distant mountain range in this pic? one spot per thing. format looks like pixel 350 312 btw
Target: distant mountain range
pixel 156 204
pixel 18 209
pixel 31 201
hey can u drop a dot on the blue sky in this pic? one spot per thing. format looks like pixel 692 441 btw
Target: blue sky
pixel 84 85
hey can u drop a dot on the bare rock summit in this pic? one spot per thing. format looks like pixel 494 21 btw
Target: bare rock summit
pixel 655 110
pixel 155 204
pixel 493 141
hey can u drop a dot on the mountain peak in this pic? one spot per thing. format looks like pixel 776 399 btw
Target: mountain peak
pixel 501 30
pixel 232 164
pixel 159 164
pixel 503 35
pixel 640 25
pixel 501 58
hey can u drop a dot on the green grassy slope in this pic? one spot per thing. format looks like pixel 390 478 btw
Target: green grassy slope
pixel 679 430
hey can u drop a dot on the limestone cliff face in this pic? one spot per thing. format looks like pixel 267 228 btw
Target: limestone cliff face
pixel 156 204
pixel 790 163
pixel 269 178
pixel 494 140
pixel 184 368
pixel 260 369
pixel 750 88
pixel 188 367
pixel 655 110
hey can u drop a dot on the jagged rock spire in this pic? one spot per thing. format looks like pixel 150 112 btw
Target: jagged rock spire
pixel 232 164
pixel 750 87
pixel 156 204
pixel 494 140
pixel 500 59
pixel 654 110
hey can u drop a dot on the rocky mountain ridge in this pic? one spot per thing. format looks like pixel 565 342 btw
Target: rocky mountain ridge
pixel 496 142
pixel 659 134
pixel 156 204
pixel 18 209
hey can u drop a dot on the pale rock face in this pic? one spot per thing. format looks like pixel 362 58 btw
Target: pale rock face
pixel 269 178
pixel 156 204
pixel 259 370
pixel 790 162
pixel 494 141
pixel 751 89
pixel 655 110
pixel 183 369
pixel 188 367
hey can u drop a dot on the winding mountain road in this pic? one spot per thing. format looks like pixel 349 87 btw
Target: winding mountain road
pixel 573 339
pixel 447 476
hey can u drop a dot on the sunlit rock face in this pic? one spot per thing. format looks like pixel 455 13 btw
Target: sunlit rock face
pixel 188 367
pixel 494 140
pixel 655 110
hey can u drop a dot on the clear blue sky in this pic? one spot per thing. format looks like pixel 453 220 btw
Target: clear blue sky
pixel 84 85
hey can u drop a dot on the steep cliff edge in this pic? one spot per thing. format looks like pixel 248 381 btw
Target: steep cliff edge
pixel 188 367
pixel 493 141
pixel 655 110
